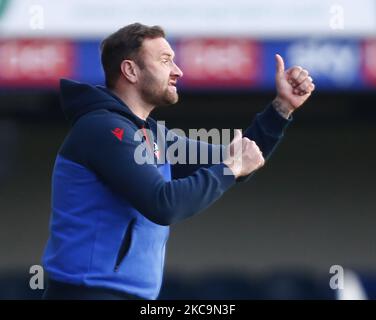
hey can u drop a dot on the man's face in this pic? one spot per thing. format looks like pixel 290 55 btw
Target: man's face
pixel 159 74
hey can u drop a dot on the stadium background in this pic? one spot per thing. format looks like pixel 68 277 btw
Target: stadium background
pixel 276 237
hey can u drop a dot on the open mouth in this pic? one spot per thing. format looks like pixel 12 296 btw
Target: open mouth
pixel 172 85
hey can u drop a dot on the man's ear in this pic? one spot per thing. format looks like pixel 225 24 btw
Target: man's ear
pixel 129 70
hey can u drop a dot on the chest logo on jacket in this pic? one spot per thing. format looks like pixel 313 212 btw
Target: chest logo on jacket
pixel 118 133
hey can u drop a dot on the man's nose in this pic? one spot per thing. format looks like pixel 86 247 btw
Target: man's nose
pixel 177 71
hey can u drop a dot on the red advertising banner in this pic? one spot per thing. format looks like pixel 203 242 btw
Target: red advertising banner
pixel 34 62
pixel 214 63
pixel 369 62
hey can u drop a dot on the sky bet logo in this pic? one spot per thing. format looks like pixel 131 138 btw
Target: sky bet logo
pixel 334 62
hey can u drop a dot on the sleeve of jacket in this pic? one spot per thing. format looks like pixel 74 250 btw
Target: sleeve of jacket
pixel 163 202
pixel 267 130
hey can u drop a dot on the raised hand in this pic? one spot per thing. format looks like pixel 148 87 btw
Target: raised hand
pixel 294 86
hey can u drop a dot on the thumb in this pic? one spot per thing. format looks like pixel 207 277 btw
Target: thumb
pixel 238 135
pixel 280 65
pixel 236 144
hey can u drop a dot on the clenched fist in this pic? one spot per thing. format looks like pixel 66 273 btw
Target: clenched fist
pixel 243 156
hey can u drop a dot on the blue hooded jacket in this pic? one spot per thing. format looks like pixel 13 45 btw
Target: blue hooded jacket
pixel 111 215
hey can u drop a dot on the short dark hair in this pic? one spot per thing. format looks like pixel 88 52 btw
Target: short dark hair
pixel 125 44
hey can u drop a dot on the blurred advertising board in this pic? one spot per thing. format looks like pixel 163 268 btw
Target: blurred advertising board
pixel 334 64
pixel 369 62
pixel 219 63
pixel 35 63
pixel 207 63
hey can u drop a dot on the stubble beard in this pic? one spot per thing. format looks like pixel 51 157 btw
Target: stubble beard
pixel 155 93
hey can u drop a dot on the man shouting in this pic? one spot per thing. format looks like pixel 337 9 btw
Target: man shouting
pixel 110 214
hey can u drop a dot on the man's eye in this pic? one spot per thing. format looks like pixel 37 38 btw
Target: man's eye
pixel 165 61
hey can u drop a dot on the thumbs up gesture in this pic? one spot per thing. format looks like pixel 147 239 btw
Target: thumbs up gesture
pixel 294 86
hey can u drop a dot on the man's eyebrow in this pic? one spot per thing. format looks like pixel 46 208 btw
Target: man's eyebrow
pixel 171 55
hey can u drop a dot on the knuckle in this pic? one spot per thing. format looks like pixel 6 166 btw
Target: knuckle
pixel 302 77
pixel 251 143
pixel 295 74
